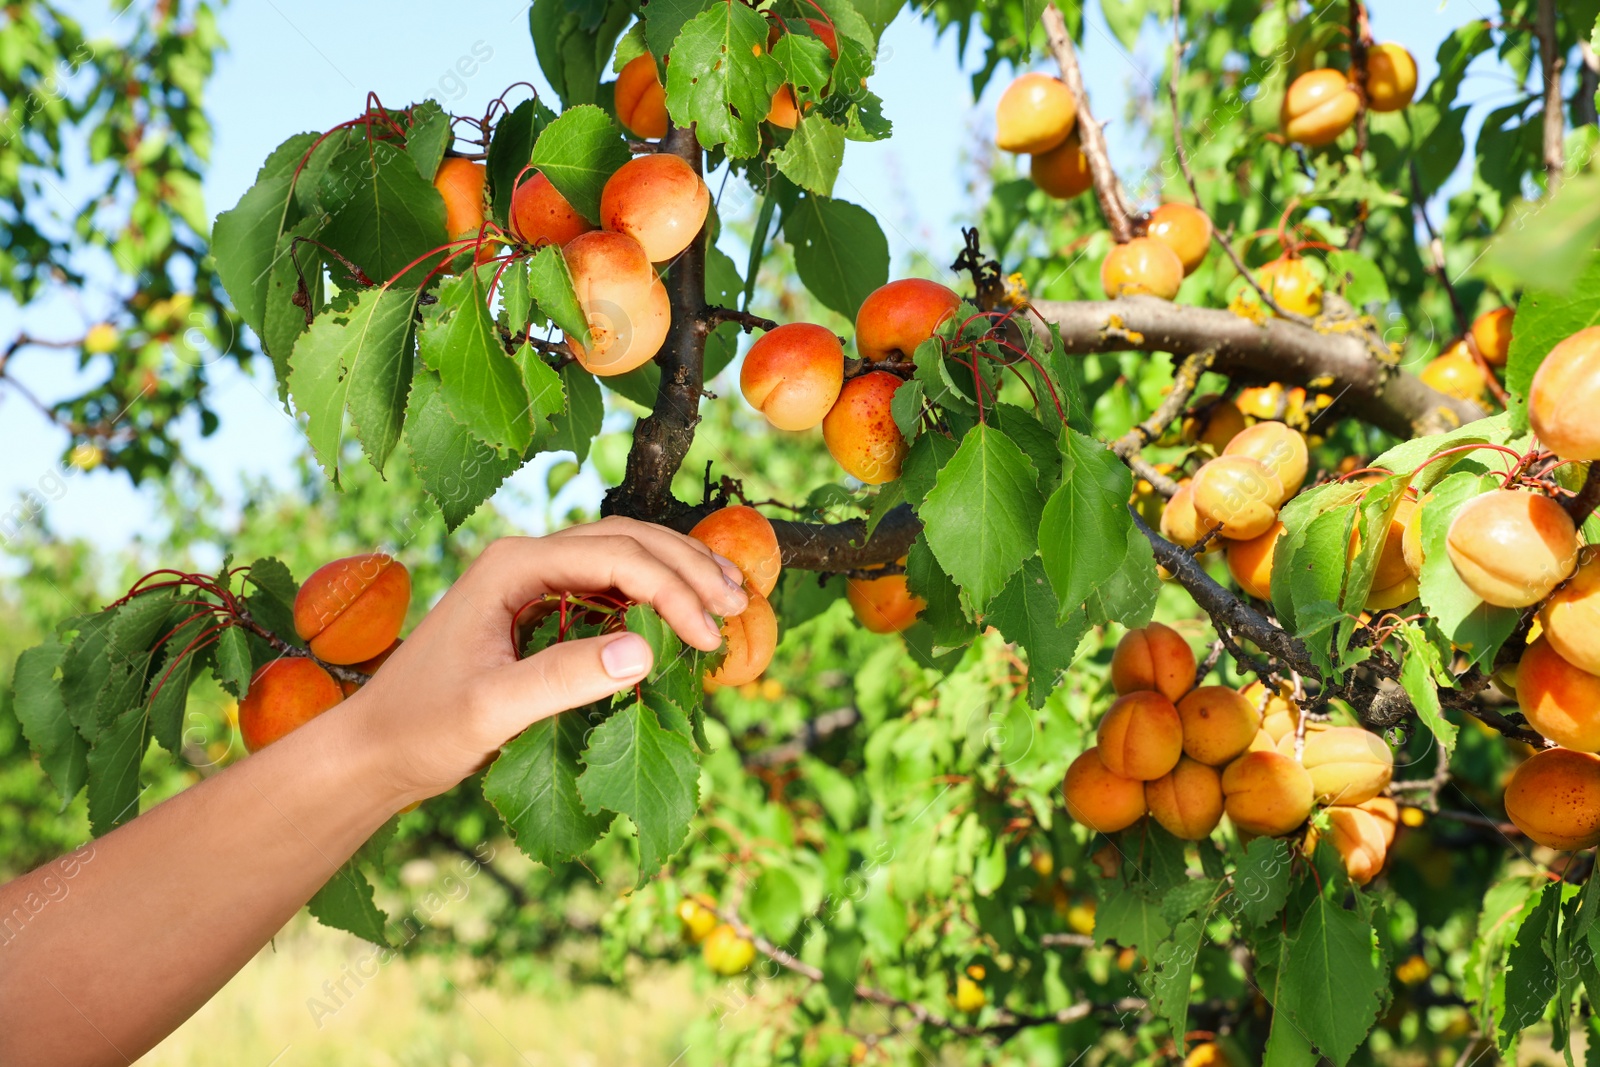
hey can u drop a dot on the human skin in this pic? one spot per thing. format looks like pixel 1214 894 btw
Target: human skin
pixel 112 965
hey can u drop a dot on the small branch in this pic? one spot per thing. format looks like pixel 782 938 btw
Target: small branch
pixel 1184 383
pixel 1360 39
pixel 518 895
pixel 715 316
pixel 1552 60
pixel 1580 507
pixel 854 368
pixel 279 645
pixel 1067 941
pixel 1419 204
pixel 1107 190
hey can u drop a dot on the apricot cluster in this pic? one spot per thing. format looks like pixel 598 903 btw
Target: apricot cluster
pixel 349 613
pixel 1321 104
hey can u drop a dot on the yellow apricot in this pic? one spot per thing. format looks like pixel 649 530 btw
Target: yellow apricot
pixel 1180 524
pixel 1347 764
pixel 1491 332
pixel 1319 106
pixel 745 537
pixel 1100 800
pixel 1564 396
pixel 1387 814
pixel 1391 77
pixel 1035 114
pixel 1238 493
pixel 1185 229
pixel 1456 374
pixel 1218 724
pixel 1212 421
pixel 1062 171
pixel 1266 793
pixel 1293 286
pixel 1187 801
pixel 1140 736
pixel 1279 448
pixel 1554 798
pixel 1512 548
pixel 1570 619
pixel 1250 562
pixel 352 609
pixel 1143 266
pixel 1154 658
pixel 1359 840
pixel 284 695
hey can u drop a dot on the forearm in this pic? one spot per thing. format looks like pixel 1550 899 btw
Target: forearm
pixel 105 952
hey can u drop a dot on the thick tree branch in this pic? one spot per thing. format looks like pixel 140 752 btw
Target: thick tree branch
pixel 1107 190
pixel 1555 124
pixel 1340 363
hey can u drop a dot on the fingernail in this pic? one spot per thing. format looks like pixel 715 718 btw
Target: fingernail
pixel 712 625
pixel 626 657
pixel 731 574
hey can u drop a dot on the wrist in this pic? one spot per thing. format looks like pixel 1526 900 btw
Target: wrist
pixel 363 759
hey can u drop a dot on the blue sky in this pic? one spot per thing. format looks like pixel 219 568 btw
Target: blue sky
pixel 297 65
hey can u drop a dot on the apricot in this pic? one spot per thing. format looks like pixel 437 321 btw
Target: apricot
pixel 860 430
pixel 1392 596
pixel 1279 448
pixel 1565 395
pixel 1140 736
pixel 369 667
pixel 1063 171
pixel 1266 793
pixel 1391 77
pixel 1411 538
pixel 1239 494
pixel 1347 764
pixel 1386 813
pixel 1390 568
pixel 641 100
pixel 541 215
pixel 726 953
pixel 283 696
pixel 784 111
pixel 1187 801
pixel 1213 421
pixel 1293 285
pixel 1262 742
pixel 1183 228
pixel 1560 700
pixel 793 375
pixel 1512 548
pixel 626 305
pixel 1264 401
pixel 1218 724
pixel 1142 267
pixel 751 637
pixel 1181 524
pixel 1100 800
pixel 659 201
pixel 1456 374
pixel 1491 332
pixel 460 182
pixel 1359 840
pixel 1319 106
pixel 883 605
pixel 1570 619
pixel 1153 658
pixel 698 916
pixel 1280 723
pixel 1035 114
pixel 895 318
pixel 352 609
pixel 1270 702
pixel 1554 798
pixel 1250 562
pixel 743 536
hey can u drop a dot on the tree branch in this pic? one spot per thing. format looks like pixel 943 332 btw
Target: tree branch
pixel 1107 190
pixel 1555 125
pixel 1581 506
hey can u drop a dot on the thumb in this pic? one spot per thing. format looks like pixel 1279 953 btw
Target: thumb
pixel 565 676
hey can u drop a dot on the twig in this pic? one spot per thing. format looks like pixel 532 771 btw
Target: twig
pixel 716 315
pixel 1113 203
pixel 1207 665
pixel 1552 60
pixel 1419 204
pixel 1184 383
pixel 279 645
pixel 1360 39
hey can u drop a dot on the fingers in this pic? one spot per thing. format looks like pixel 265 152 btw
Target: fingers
pixel 669 544
pixel 564 676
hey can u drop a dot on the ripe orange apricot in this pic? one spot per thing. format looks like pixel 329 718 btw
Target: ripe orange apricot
pixel 1359 839
pixel 1387 815
pixel 895 318
pixel 1218 724
pixel 1142 267
pixel 1140 736
pixel 793 375
pixel 460 183
pixel 1391 77
pixel 659 201
pixel 1491 332
pixel 1411 538
pixel 1062 171
pixel 1183 228
pixel 1560 700
pixel 1512 548
pixel 883 605
pixel 743 536
pixel 751 637
pixel 1279 448
pixel 1187 801
pixel 541 215
pixel 1565 395
pixel 1554 798
pixel 1392 596
pixel 860 430
pixel 1250 562
pixel 1213 421
pixel 1154 658
pixel 641 99
pixel 1181 524
pixel 1266 793
pixel 369 667
pixel 626 305
pixel 1100 800
pixel 283 696
pixel 1293 285
pixel 1570 619
pixel 1035 114
pixel 1456 374
pixel 1238 493
pixel 1391 567
pixel 352 609
pixel 1319 106
pixel 1347 764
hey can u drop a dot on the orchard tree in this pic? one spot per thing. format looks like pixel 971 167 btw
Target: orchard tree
pixel 1336 803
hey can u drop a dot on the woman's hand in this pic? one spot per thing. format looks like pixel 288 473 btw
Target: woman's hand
pixel 455 691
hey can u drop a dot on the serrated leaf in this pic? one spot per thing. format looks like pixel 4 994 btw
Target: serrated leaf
pixel 427 137
pixel 1130 920
pixel 1173 963
pixel 550 284
pixel 578 152
pixel 42 712
pixel 381 214
pixel 345 903
pixel 840 251
pixel 813 154
pixel 1419 674
pixel 1530 973
pixel 284 321
pixel 949 625
pixel 1083 533
pixel 1330 985
pixel 232 666
pixel 1026 613
pixel 927 456
pixel 244 239
pixel 577 427
pixel 169 685
pixel 982 516
pixel 270 597
pixel 457 470
pixel 533 784
pixel 1128 597
pixel 511 149
pixel 546 398
pixel 113 764
pixel 481 385
pixel 721 78
pixel 637 769
pixel 1548 314
pixel 1261 879
pixel 665 19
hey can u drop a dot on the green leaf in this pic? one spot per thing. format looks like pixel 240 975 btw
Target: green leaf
pixel 169 686
pixel 1129 919
pixel 533 784
pixel 841 967
pixel 357 355
pixel 42 713
pixel 637 769
pixel 1026 614
pixel 345 903
pixel 1173 963
pixel 982 516
pixel 1129 596
pixel 1083 534
pixel 944 615
pixel 382 214
pixel 813 155
pixel 1330 984
pixel 480 384
pixel 1412 454
pixel 428 136
pixel 578 152
pixel 776 904
pixel 576 430
pixel 1261 880
pixel 546 397
pixel 1420 675
pixel 113 765
pixel 663 21
pixel 511 150
pixel 271 602
pixel 1530 978
pixel 244 238
pixel 840 251
pixel 807 66
pixel 721 78
pixel 550 284
pixel 232 667
pixel 928 455
pixel 285 322
pixel 1548 314
pixel 457 470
